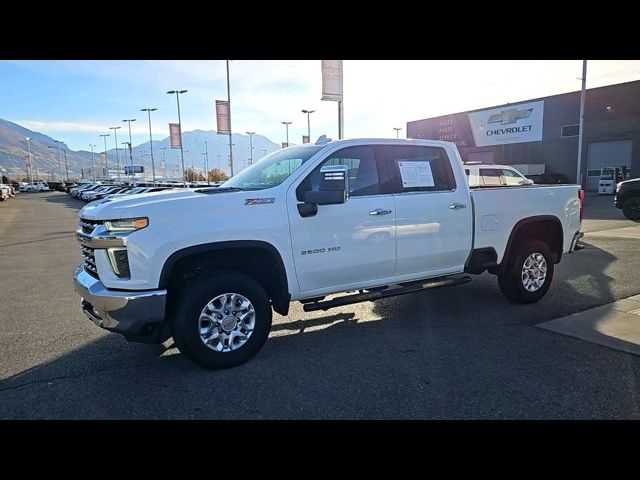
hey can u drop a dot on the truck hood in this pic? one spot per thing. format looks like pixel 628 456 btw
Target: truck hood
pixel 133 205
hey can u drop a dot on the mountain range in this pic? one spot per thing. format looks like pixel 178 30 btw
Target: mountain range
pixel 14 153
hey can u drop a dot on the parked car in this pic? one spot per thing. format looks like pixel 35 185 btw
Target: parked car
pixel 490 175
pixel 550 179
pixel 23 187
pixel 628 198
pixel 379 217
pixel 5 192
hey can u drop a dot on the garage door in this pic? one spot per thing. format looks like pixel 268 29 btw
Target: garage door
pixel 606 154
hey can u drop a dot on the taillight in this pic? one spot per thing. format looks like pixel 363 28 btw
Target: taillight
pixel 581 198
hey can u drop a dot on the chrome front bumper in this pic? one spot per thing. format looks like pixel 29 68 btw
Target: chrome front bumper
pixel 139 316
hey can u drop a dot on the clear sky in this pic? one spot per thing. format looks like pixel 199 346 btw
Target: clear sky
pixel 75 101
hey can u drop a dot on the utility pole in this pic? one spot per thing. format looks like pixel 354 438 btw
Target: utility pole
pixel 229 102
pixel 106 156
pixel 582 99
pixel 251 134
pixel 206 165
pixel 30 174
pixel 93 163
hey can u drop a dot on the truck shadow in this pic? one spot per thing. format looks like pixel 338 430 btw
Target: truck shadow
pixel 461 352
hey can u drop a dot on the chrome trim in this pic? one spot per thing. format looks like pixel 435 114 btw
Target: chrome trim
pixel 119 310
pixel 101 241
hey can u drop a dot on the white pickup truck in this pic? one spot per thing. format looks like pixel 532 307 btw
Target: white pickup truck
pixel 372 217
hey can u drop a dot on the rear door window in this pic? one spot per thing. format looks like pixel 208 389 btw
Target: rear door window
pixel 491 177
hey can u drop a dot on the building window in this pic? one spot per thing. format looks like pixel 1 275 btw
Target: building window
pixel 570 131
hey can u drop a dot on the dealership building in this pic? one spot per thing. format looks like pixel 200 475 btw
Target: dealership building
pixel 541 135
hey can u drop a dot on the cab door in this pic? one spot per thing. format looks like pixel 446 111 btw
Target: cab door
pixel 433 211
pixel 352 243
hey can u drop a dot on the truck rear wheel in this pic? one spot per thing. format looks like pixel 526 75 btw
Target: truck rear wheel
pixel 222 319
pixel 631 208
pixel 528 273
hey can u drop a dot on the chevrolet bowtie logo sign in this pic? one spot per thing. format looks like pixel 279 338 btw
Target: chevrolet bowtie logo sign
pixel 507 117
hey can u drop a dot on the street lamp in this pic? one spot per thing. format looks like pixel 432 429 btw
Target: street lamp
pixel 164 162
pixel 153 165
pixel 66 167
pixel 115 133
pixel 30 175
pixel 178 93
pixel 130 145
pixel 251 134
pixel 308 112
pixel 397 129
pixel 286 124
pixel 93 163
pixel 106 156
pixel 206 156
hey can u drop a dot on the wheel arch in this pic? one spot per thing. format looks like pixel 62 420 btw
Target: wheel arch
pixel 546 228
pixel 267 262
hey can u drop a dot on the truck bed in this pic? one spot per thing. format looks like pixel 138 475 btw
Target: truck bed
pixel 497 210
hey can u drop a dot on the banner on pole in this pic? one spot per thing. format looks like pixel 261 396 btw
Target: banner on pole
pixel 332 80
pixel 103 158
pixel 174 135
pixel 305 138
pixel 222 117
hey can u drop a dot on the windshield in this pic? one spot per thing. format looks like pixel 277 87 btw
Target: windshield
pixel 273 169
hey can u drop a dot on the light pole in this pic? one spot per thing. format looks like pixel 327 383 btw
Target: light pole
pixel 581 124
pixel 30 175
pixel 153 165
pixel 397 129
pixel 286 124
pixel 93 163
pixel 229 103
pixel 57 146
pixel 206 156
pixel 178 93
pixel 308 112
pixel 115 133
pixel 106 156
pixel 130 144
pixel 127 145
pixel 66 166
pixel 251 134
pixel 164 162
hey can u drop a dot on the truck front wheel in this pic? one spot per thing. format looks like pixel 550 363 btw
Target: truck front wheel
pixel 221 319
pixel 528 273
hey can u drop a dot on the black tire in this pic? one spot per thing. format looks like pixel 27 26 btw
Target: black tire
pixel 193 297
pixel 631 208
pixel 510 280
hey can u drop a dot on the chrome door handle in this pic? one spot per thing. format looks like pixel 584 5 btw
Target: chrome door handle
pixel 379 211
pixel 455 206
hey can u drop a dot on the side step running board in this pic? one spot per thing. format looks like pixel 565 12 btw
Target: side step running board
pixel 390 292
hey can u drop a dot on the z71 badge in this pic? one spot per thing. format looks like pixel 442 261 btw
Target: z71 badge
pixel 259 201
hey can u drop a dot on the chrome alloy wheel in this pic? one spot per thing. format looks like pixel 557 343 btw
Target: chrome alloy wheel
pixel 534 272
pixel 227 322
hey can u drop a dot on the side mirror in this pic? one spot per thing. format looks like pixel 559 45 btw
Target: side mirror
pixel 334 186
pixel 333 190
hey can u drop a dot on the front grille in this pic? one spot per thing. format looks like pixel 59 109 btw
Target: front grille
pixel 89 260
pixel 88 226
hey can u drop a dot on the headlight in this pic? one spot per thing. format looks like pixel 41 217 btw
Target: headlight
pixel 126 224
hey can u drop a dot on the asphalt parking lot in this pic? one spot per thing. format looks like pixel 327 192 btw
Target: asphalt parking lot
pixel 455 353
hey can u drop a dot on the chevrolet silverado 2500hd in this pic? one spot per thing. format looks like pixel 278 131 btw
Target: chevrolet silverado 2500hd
pixel 378 217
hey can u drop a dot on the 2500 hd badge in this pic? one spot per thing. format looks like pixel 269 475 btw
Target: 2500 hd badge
pixel 320 250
